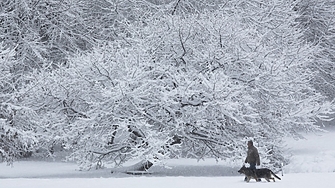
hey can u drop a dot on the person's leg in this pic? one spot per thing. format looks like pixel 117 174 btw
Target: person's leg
pixel 252 166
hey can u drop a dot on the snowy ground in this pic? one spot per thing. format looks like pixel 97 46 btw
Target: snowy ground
pixel 313 164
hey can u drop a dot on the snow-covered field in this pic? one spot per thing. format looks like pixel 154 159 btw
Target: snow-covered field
pixel 312 165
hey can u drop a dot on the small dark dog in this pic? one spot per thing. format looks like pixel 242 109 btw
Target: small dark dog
pixel 258 173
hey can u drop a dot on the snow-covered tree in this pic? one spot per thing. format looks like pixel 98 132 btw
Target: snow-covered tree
pixel 185 85
pixel 264 64
pixel 18 123
pixel 33 35
pixel 317 19
pixel 42 32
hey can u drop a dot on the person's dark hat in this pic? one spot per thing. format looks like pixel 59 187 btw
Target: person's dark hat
pixel 250 141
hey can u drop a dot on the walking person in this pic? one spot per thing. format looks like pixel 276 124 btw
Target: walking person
pixel 252 156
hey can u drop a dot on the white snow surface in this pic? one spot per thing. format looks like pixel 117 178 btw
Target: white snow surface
pixel 312 165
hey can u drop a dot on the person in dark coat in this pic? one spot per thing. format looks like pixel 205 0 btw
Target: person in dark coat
pixel 252 157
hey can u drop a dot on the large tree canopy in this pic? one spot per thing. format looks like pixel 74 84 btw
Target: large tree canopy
pixel 173 79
